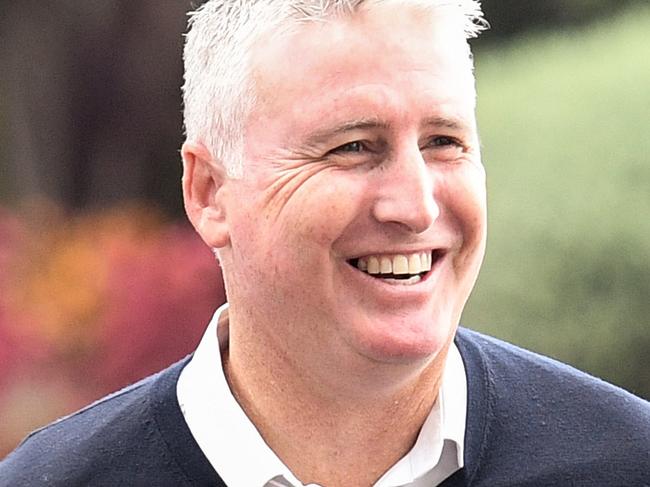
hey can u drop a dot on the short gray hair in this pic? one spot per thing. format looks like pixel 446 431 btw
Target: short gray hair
pixel 218 94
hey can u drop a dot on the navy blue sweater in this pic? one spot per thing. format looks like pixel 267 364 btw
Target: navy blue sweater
pixel 531 422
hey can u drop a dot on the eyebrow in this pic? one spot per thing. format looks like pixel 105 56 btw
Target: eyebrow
pixel 349 126
pixel 451 123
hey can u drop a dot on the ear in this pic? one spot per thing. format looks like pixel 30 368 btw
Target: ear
pixel 203 195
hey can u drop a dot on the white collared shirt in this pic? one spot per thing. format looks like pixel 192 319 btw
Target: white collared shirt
pixel 237 451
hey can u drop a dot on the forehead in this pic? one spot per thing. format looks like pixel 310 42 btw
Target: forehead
pixel 387 58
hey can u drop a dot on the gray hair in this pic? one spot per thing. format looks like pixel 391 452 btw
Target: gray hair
pixel 218 94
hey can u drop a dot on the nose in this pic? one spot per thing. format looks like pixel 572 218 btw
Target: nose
pixel 406 197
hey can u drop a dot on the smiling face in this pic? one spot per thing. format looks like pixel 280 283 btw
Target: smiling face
pixel 359 225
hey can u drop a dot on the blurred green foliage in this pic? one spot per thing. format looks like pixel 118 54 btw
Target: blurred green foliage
pixel 564 120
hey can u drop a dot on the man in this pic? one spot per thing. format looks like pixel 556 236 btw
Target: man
pixel 332 162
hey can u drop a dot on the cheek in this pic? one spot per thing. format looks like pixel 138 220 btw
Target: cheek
pixel 464 196
pixel 324 207
pixel 294 222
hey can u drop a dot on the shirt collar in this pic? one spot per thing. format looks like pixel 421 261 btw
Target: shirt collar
pixel 443 428
pixel 237 451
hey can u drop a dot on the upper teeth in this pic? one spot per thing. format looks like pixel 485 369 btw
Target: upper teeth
pixel 397 264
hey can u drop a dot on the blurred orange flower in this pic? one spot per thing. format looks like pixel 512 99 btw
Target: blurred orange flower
pixel 94 301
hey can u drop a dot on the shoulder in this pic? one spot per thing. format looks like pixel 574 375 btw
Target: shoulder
pixel 537 376
pixel 115 440
pixel 554 416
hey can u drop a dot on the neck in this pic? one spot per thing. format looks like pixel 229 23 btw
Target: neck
pixel 332 435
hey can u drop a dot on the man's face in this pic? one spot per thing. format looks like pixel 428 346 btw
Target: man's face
pixel 361 157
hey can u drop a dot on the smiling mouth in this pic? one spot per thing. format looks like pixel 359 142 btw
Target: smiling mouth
pixel 398 268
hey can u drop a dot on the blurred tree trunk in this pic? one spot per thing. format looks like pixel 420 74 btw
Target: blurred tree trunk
pixel 512 17
pixel 93 110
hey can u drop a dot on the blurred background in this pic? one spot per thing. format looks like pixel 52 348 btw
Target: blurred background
pixel 102 281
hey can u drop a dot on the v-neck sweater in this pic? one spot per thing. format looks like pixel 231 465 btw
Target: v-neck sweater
pixel 531 421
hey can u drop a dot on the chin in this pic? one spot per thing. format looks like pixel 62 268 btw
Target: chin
pixel 404 340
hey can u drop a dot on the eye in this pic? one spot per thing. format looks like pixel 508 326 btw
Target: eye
pixel 444 141
pixel 444 148
pixel 356 146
